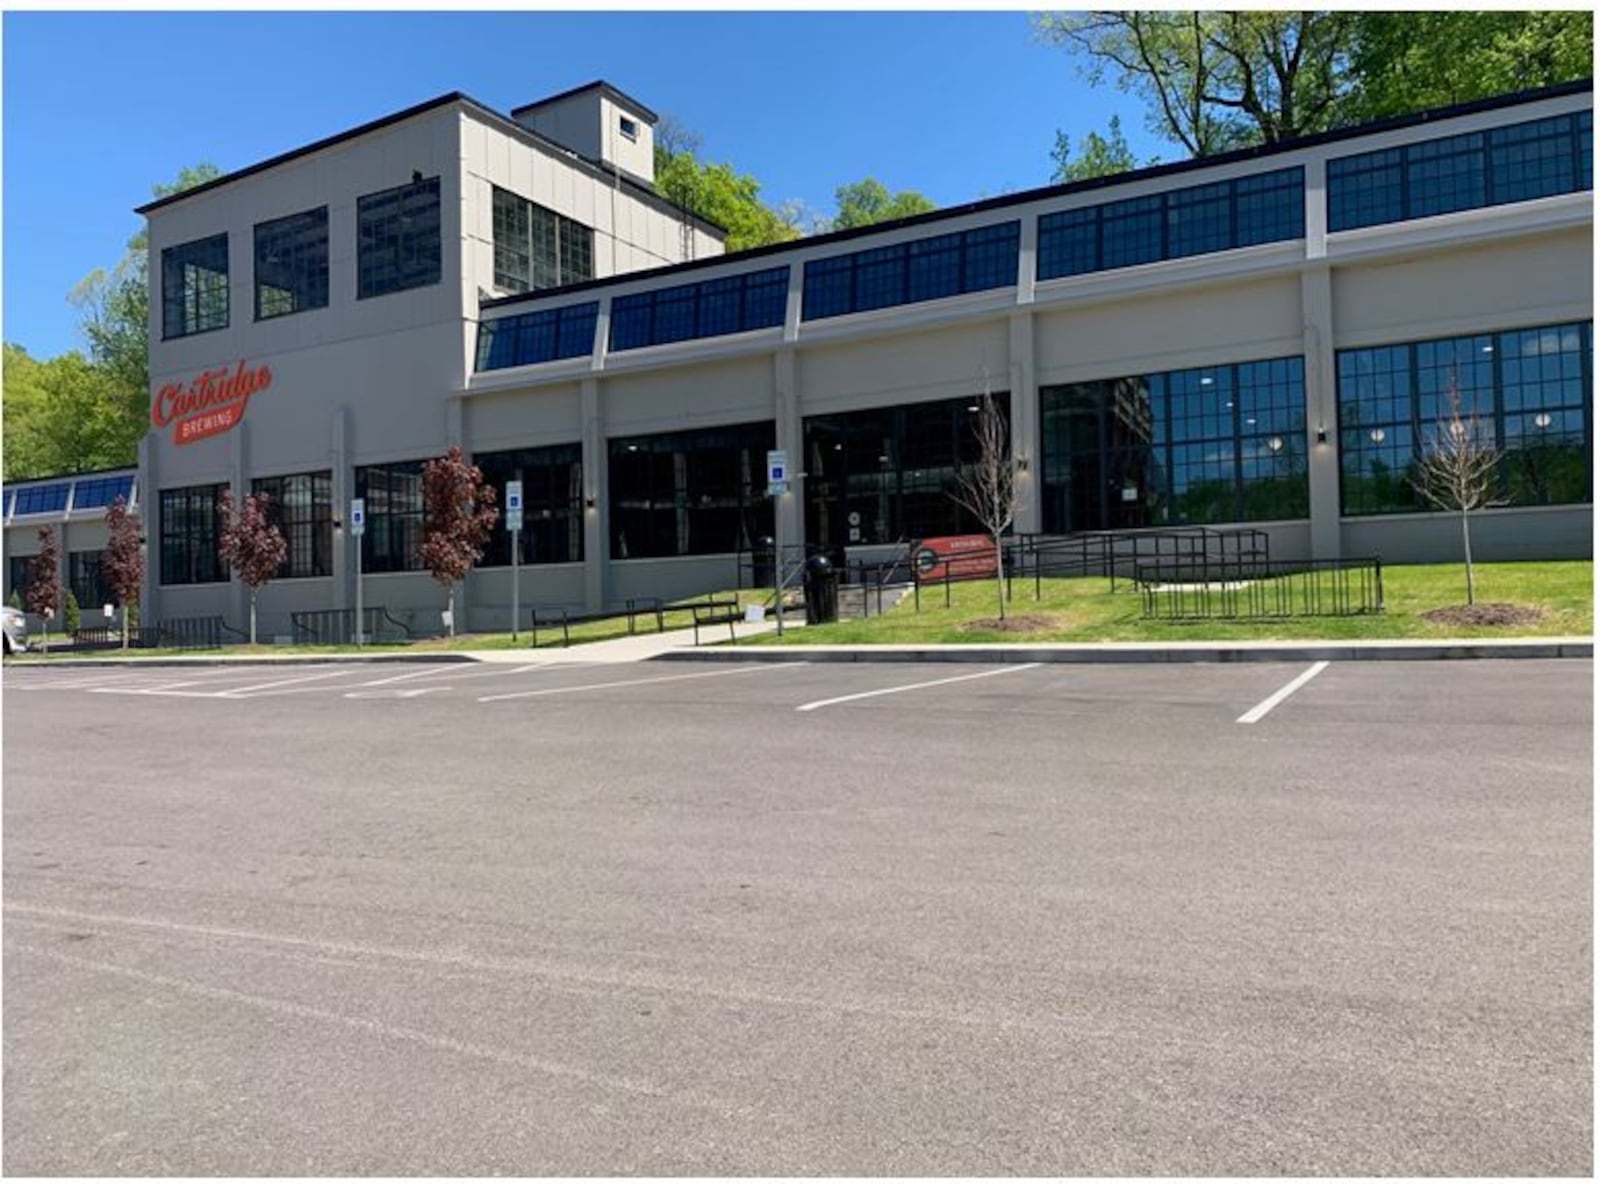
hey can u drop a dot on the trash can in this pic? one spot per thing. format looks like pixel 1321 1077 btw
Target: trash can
pixel 764 563
pixel 822 591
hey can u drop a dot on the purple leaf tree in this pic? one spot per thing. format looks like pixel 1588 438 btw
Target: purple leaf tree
pixel 459 511
pixel 252 545
pixel 44 581
pixel 121 563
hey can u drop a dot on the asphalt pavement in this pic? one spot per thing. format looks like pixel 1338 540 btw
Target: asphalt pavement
pixel 663 919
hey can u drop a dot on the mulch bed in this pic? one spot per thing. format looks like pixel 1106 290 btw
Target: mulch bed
pixel 1028 623
pixel 1484 614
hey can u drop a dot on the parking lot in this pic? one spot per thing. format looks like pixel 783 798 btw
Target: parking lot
pixel 854 919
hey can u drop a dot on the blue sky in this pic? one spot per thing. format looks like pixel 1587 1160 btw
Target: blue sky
pixel 98 107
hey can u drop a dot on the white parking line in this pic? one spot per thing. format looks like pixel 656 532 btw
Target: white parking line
pixel 236 692
pixel 1278 696
pixel 453 670
pixel 634 682
pixel 915 686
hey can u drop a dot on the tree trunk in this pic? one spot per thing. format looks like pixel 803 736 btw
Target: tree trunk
pixel 1466 549
pixel 252 616
pixel 999 577
pixel 124 626
pixel 450 606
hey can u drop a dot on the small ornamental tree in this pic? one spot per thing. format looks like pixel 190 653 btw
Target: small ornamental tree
pixel 251 544
pixel 1457 470
pixel 121 563
pixel 459 511
pixel 988 486
pixel 44 581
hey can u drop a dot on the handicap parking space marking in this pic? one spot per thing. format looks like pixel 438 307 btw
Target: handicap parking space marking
pixel 1256 713
pixel 917 686
pixel 637 682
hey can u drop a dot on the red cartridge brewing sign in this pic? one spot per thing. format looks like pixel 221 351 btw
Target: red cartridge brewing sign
pixel 209 404
pixel 955 557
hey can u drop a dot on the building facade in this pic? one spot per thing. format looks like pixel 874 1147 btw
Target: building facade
pixel 1266 337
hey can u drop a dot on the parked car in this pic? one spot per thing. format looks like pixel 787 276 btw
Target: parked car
pixel 15 630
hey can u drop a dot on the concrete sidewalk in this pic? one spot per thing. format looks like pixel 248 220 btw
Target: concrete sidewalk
pixel 678 645
pixel 1388 650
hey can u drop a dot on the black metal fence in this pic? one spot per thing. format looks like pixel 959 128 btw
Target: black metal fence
pixel 1178 589
pixel 337 626
pixel 182 633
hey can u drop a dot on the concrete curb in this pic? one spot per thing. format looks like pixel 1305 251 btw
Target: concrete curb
pixel 37 663
pixel 1309 651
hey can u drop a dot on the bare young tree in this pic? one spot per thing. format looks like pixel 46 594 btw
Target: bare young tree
pixel 251 544
pixel 44 581
pixel 458 508
pixel 988 486
pixel 1457 470
pixel 122 563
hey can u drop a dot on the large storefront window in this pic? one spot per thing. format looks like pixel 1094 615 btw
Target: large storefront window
pixel 302 508
pixel 690 493
pixel 552 503
pixel 393 496
pixel 1181 448
pixel 887 475
pixel 190 531
pixel 1530 389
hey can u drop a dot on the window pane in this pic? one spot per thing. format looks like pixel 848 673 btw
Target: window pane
pixel 398 233
pixel 194 287
pixel 292 264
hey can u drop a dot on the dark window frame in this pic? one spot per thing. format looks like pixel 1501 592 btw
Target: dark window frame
pixel 301 506
pixel 880 277
pixel 1353 179
pixel 304 238
pixel 194 291
pixel 693 312
pixel 1077 241
pixel 1378 424
pixel 552 503
pixel 699 492
pixel 392 497
pixel 548 335
pixel 190 533
pixel 399 239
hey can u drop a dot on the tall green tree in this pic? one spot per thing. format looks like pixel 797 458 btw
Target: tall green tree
pixel 74 413
pixel 64 415
pixel 1100 156
pixel 1409 61
pixel 717 192
pixel 866 202
pixel 114 308
pixel 1213 81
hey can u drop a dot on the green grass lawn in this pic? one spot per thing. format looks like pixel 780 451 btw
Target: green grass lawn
pixel 1081 610
pixel 1085 610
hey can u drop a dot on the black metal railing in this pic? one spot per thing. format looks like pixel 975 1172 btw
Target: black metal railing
pixel 1114 554
pixel 553 616
pixel 1246 588
pixel 337 626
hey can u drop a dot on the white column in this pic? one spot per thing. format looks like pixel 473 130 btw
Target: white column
pixel 1023 379
pixel 1322 420
pixel 790 508
pixel 596 513
pixel 343 490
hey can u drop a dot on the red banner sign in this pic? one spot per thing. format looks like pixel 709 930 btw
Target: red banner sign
pixel 955 557
pixel 210 404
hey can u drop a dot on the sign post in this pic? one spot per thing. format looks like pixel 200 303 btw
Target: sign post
pixel 777 486
pixel 514 525
pixel 358 527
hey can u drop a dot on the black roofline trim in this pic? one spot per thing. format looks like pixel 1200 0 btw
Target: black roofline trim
pixel 602 85
pixel 598 169
pixel 1260 151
